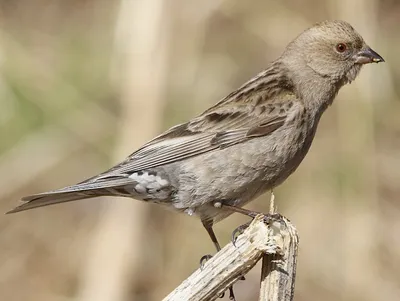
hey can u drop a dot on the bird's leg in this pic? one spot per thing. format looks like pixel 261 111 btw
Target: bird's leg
pixel 212 235
pixel 208 226
pixel 268 217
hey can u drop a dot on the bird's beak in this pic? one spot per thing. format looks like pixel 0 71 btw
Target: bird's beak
pixel 367 56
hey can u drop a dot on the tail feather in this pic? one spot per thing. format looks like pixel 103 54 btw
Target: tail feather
pixel 84 190
pixel 44 199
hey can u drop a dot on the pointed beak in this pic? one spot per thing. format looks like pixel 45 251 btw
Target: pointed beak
pixel 367 56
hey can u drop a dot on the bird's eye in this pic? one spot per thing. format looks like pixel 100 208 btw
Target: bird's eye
pixel 341 47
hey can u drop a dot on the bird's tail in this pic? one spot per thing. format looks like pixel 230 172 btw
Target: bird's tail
pixel 105 187
pixel 45 199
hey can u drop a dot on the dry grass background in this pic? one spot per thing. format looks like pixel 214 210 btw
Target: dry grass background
pixel 83 83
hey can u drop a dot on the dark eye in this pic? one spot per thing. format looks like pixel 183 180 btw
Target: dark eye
pixel 341 47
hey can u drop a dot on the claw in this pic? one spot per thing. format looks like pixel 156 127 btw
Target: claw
pixel 270 218
pixel 203 260
pixel 231 294
pixel 239 230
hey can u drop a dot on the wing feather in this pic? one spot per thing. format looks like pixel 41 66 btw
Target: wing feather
pixel 257 109
pixel 164 152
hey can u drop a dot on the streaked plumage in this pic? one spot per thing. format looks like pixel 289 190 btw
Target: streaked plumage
pixel 246 144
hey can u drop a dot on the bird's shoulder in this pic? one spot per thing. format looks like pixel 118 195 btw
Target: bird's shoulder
pixel 267 96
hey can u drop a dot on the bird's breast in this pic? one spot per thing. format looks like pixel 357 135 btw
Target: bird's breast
pixel 292 144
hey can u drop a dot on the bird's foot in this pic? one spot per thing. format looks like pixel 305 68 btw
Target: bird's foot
pixel 238 231
pixel 267 218
pixel 203 260
pixel 231 294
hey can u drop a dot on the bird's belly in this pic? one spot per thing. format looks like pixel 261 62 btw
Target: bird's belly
pixel 241 172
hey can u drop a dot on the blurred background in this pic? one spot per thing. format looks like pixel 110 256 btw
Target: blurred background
pixel 83 83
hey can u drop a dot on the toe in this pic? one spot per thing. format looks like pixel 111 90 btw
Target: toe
pixel 204 259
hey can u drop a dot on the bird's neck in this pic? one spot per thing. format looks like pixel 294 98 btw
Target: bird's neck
pixel 316 91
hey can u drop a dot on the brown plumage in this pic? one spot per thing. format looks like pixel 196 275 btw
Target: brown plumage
pixel 246 144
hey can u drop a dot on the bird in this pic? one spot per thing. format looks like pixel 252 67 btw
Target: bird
pixel 246 144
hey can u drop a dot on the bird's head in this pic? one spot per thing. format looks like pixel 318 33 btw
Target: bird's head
pixel 332 49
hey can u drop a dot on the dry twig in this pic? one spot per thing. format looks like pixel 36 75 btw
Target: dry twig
pixel 277 244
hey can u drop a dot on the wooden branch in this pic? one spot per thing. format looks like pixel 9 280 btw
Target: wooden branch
pixel 278 272
pixel 277 244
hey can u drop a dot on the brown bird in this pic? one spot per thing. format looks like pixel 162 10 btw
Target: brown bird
pixel 246 144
